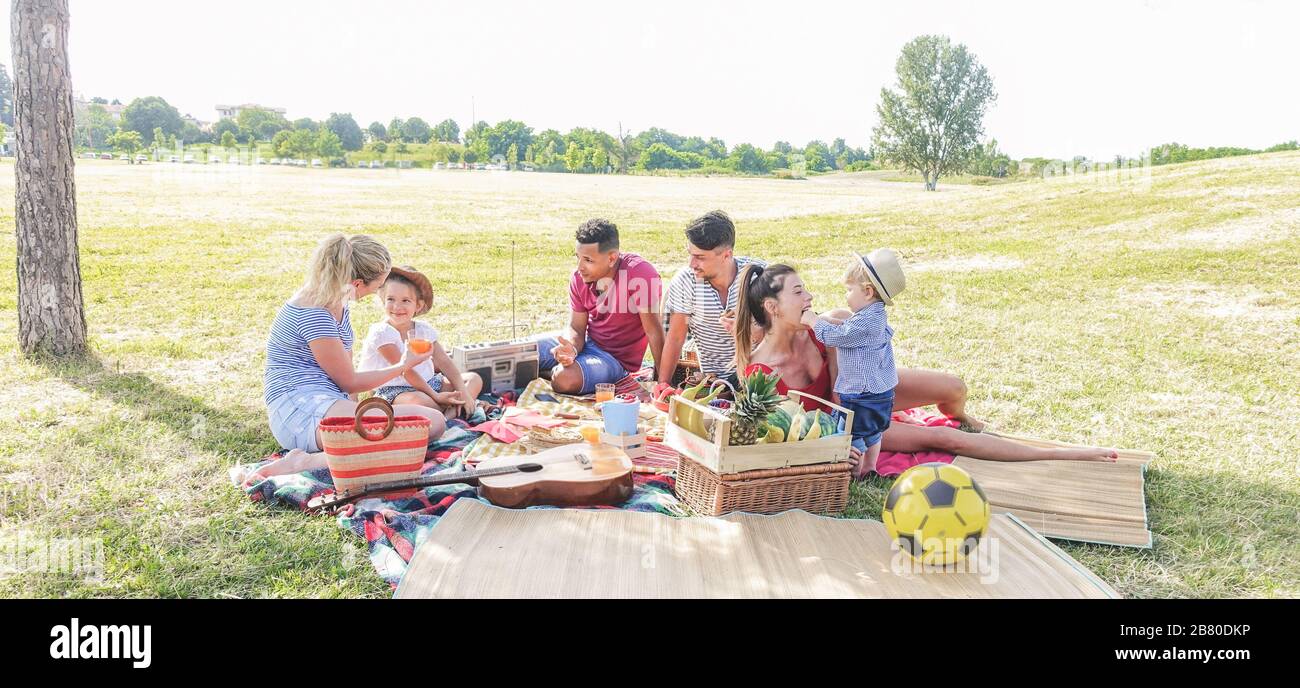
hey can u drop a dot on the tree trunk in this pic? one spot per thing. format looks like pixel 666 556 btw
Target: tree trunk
pixel 51 312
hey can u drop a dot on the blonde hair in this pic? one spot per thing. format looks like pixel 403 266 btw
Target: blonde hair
pixel 335 263
pixel 856 272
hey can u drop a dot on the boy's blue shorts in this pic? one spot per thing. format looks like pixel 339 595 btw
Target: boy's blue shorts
pixel 871 414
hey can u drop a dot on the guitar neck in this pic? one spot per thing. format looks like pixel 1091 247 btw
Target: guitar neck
pixel 447 478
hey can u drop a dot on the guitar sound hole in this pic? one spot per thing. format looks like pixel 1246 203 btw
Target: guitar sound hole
pixel 530 467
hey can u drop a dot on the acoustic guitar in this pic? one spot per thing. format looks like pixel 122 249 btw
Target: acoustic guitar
pixel 579 474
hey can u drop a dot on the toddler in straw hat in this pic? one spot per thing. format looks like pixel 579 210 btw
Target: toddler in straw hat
pixel 864 349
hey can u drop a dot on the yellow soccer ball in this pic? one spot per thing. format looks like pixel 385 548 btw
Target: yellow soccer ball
pixel 937 513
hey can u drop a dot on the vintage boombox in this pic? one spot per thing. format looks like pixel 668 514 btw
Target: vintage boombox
pixel 503 365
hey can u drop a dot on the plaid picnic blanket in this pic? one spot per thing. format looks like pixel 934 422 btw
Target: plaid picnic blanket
pixel 392 529
pixel 657 455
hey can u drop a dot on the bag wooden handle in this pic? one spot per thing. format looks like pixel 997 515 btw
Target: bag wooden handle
pixel 373 402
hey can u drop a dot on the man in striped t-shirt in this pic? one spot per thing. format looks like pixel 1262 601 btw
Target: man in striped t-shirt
pixel 699 295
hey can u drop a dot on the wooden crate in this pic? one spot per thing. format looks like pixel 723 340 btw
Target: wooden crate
pixel 632 445
pixel 719 456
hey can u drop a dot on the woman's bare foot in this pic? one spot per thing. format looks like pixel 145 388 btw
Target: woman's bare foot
pixel 1088 454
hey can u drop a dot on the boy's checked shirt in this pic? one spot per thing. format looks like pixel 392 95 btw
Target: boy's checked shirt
pixel 864 351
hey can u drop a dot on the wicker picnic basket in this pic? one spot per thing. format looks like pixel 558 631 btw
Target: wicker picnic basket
pixel 818 488
pixel 361 451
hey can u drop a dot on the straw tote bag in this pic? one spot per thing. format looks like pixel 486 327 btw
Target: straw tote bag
pixel 361 451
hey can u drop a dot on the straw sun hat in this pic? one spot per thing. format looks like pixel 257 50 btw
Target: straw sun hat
pixel 423 288
pixel 885 273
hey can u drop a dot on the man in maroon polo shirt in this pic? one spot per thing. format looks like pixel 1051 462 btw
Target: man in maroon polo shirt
pixel 616 304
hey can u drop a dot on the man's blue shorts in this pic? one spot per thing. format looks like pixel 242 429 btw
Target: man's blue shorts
pixel 597 364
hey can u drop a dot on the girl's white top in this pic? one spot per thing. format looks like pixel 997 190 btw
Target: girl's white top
pixel 382 333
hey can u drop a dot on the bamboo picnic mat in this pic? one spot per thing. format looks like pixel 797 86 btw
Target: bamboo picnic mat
pixel 1096 502
pixel 1070 500
pixel 478 550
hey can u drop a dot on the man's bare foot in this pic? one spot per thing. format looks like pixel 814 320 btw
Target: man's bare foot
pixel 1088 454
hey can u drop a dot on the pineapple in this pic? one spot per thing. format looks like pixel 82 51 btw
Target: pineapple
pixel 755 399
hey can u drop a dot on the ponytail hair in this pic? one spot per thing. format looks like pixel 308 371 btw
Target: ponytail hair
pixel 757 285
pixel 336 262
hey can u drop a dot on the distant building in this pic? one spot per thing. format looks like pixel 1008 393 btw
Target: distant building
pixel 203 126
pixel 80 105
pixel 232 111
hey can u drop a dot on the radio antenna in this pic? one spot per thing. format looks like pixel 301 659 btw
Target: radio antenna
pixel 512 289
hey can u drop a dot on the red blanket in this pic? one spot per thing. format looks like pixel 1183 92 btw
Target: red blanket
pixel 891 464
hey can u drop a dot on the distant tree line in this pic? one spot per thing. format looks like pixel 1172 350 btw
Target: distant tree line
pixel 581 150
pixel 152 123
pixel 1168 153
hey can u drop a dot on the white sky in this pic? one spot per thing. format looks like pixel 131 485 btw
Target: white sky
pixel 1091 78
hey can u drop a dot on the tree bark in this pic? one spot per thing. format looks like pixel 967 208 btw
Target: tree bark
pixel 51 311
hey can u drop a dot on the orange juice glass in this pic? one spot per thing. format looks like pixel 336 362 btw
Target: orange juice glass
pixel 420 346
pixel 604 392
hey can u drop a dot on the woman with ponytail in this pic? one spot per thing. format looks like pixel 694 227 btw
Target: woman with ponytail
pixel 770 305
pixel 309 372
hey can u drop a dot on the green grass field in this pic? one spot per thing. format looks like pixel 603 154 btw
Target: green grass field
pixel 1162 314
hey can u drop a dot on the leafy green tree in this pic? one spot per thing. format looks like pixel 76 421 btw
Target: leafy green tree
pixel 228 141
pixel 378 132
pixel 933 123
pixel 127 141
pixel 453 155
pixel 505 134
pixel 346 129
pixel 988 161
pixel 512 156
pixel 280 144
pixel 660 157
pixel 190 133
pixel 328 145
pixel 379 146
pixel 548 157
pixel 416 130
pixel 476 139
pixel 401 147
pixel 258 124
pixel 599 160
pixel 575 159
pixel 224 126
pixel 748 159
pixel 470 156
pixel 144 115
pixel 447 131
pixel 300 144
pixel 306 123
pixel 654 135
pixel 712 149
pixel 93 126
pixel 6 98
pixel 394 130
pixel 548 137
pixel 817 156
